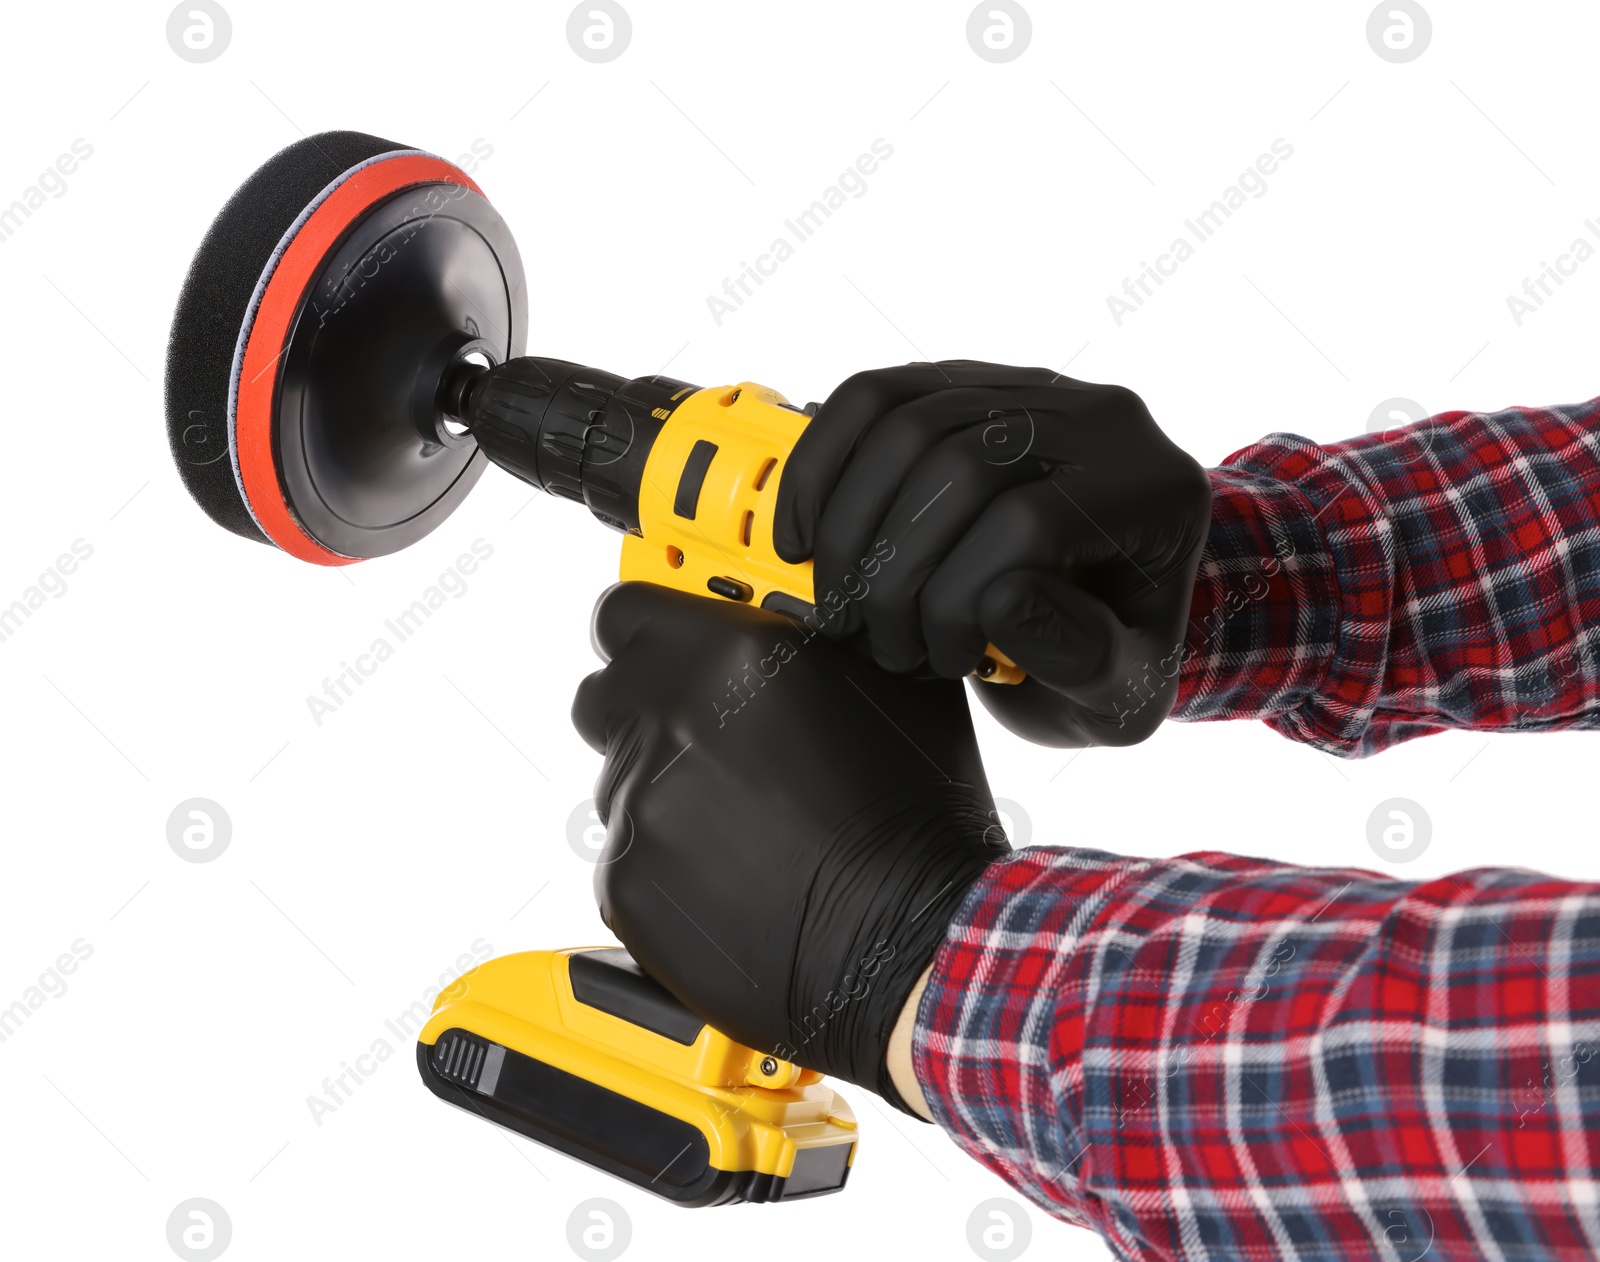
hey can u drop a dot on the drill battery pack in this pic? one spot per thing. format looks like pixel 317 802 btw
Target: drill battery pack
pixel 583 1052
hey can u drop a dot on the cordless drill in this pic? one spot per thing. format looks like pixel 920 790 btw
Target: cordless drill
pixel 346 358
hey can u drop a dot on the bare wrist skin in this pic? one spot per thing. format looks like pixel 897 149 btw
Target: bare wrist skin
pixel 899 1054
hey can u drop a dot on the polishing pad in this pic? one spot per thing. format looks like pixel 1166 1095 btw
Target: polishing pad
pixel 328 300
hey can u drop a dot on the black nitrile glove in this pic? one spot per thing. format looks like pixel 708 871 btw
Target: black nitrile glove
pixel 1014 506
pixel 789 828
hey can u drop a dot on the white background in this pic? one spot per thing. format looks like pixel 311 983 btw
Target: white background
pixel 370 852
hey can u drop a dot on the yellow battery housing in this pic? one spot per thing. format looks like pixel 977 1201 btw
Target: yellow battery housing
pixel 581 1051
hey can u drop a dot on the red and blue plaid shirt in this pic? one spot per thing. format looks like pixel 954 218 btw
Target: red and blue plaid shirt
pixel 1215 1058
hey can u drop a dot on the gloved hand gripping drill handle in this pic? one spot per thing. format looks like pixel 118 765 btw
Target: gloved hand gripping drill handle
pixel 788 870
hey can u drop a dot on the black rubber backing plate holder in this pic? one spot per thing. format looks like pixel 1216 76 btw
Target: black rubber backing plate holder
pixel 410 290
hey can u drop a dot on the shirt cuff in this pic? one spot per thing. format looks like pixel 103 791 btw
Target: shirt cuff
pixel 1290 617
pixel 1003 1010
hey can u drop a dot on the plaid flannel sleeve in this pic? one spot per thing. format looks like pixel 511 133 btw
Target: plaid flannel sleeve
pixel 1443 575
pixel 1214 1057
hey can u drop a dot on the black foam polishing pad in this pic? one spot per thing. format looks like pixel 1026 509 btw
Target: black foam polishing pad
pixel 331 292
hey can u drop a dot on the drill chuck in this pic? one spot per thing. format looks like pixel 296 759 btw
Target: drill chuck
pixel 573 431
